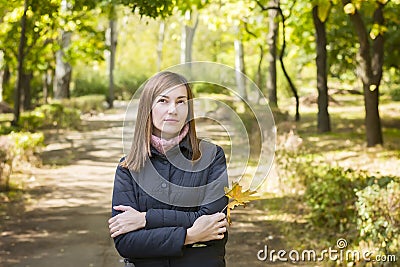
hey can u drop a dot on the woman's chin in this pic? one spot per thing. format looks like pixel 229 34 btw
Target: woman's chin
pixel 169 134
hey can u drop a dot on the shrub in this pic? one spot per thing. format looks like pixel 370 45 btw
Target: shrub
pixel 90 83
pixel 395 94
pixel 378 208
pixel 208 88
pixel 87 103
pixel 97 83
pixel 330 193
pixel 293 164
pixel 32 120
pixel 25 144
pixel 50 116
pixel 17 149
pixel 127 83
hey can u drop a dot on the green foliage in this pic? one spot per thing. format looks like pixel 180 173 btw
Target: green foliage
pixel 94 83
pixel 341 51
pixel 378 207
pixel 324 7
pixel 153 9
pixel 330 193
pixel 25 143
pixel 392 39
pixel 161 8
pixel 90 83
pixel 5 124
pixel 207 88
pixel 126 84
pixel 87 103
pixel 395 94
pixel 16 149
pixel 44 22
pixel 50 116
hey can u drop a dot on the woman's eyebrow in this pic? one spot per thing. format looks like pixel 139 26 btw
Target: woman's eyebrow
pixel 183 96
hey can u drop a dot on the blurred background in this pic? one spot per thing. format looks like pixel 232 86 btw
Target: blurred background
pixel 329 69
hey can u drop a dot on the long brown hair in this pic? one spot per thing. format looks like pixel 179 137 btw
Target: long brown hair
pixel 140 149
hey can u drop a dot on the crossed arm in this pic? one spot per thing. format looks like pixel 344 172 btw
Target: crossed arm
pixel 160 232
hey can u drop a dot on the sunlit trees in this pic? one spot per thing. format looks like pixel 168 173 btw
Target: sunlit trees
pixel 250 35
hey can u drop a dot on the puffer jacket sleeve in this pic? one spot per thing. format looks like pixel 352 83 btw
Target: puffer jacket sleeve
pixel 143 243
pixel 156 218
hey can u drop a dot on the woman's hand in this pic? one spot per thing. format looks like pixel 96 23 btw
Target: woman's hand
pixel 206 228
pixel 127 221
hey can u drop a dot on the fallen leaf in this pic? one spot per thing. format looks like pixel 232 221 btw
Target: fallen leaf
pixel 238 197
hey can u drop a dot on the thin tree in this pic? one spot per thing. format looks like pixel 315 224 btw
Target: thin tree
pixel 282 53
pixel 271 56
pixel 160 44
pixel 21 57
pixel 112 42
pixel 188 32
pixel 239 64
pixel 63 71
pixel 2 72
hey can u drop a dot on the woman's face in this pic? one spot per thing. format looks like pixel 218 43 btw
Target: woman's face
pixel 170 110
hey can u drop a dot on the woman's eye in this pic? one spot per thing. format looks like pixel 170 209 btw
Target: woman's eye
pixel 181 101
pixel 162 100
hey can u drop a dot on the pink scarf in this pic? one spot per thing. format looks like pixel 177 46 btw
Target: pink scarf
pixel 163 145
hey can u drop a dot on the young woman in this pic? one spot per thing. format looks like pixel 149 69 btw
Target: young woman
pixel 168 191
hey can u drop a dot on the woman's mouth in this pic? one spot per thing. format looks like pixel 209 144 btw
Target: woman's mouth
pixel 171 120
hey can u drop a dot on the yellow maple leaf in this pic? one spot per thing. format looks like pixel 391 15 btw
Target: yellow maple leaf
pixel 239 197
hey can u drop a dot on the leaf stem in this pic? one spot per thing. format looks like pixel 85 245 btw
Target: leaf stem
pixel 225 207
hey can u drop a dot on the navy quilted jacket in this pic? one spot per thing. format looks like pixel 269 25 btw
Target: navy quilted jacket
pixel 161 242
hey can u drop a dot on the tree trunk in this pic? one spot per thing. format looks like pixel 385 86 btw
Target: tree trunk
pixel 46 80
pixel 187 38
pixel 271 56
pixel 1 85
pixel 282 53
pixel 260 79
pixel 324 124
pixel 27 96
pixel 370 71
pixel 160 44
pixel 2 72
pixel 113 48
pixel 21 56
pixel 63 69
pixel 240 69
pixel 372 119
pixel 6 77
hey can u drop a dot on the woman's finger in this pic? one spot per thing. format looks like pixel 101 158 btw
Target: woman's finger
pixel 116 233
pixel 219 216
pixel 221 230
pixel 113 230
pixel 114 224
pixel 222 224
pixel 111 220
pixel 220 236
pixel 122 208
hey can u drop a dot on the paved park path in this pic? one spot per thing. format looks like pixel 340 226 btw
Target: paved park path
pixel 64 221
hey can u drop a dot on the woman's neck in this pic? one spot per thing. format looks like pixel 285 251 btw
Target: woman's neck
pixel 163 145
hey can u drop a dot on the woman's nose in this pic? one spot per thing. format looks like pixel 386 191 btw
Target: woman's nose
pixel 172 108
